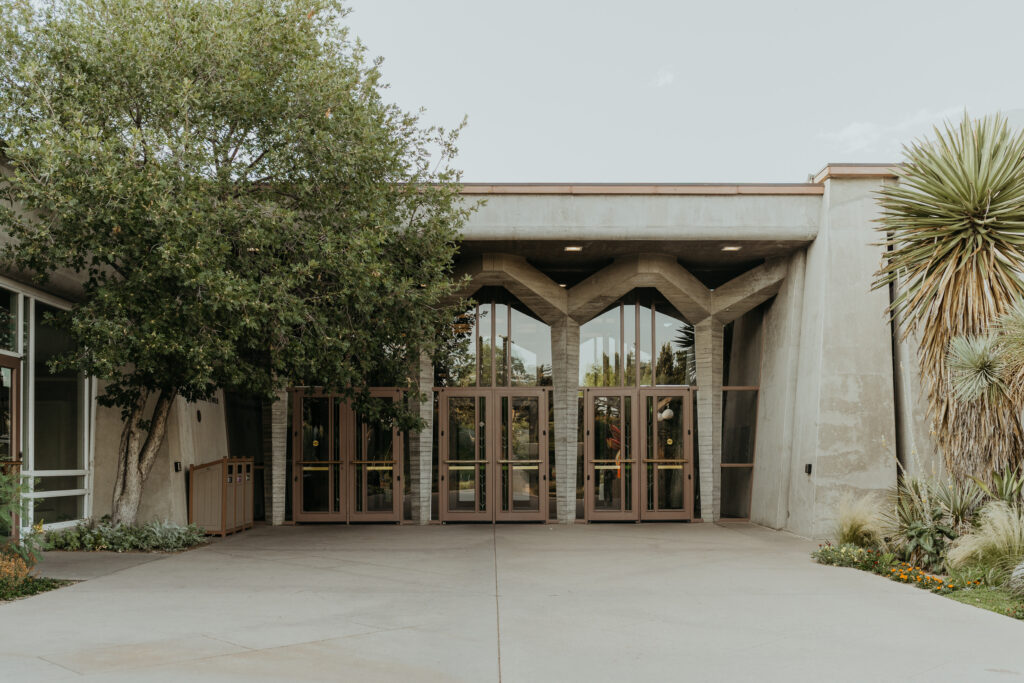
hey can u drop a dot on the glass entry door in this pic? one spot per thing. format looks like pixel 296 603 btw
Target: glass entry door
pixel 611 467
pixel 666 445
pixel 375 467
pixel 318 473
pixel 463 437
pixel 346 468
pixel 493 454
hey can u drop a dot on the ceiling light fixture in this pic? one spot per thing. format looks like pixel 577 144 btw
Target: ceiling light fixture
pixel 562 285
pixel 731 247
pixel 574 247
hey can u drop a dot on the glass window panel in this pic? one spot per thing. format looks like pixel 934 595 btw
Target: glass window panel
pixel 61 509
pixel 70 483
pixel 6 413
pixel 580 474
pixel 316 413
pixel 457 368
pixel 530 350
pixel 599 350
pixel 736 483
pixel 462 432
pixel 645 346
pixel 674 362
pixel 501 350
pixel 629 313
pixel 316 487
pixel 484 318
pixel 8 320
pixel 58 400
pixel 739 424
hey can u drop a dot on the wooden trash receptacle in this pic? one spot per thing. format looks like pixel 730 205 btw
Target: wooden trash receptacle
pixel 220 495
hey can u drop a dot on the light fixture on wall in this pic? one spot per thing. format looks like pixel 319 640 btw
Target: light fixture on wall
pixel 731 247
pixel 574 247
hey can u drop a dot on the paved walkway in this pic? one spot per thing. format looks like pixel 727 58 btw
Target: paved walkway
pixel 510 603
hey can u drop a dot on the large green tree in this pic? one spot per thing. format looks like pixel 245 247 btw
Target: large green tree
pixel 239 201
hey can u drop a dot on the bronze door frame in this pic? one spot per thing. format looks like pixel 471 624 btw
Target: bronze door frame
pixel 334 464
pixel 540 462
pixel 686 514
pixel 589 395
pixel 445 463
pixel 493 459
pixel 14 454
pixel 341 465
pixel 359 431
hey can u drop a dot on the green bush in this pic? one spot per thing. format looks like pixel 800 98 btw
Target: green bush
pixel 849 555
pixel 996 544
pixel 119 538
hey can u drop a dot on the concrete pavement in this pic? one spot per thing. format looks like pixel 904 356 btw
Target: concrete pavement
pixel 510 603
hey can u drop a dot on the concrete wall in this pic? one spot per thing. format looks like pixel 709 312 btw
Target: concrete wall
pixel 189 440
pixel 845 424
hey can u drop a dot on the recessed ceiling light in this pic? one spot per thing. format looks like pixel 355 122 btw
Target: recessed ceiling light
pixel 732 247
pixel 562 285
pixel 574 247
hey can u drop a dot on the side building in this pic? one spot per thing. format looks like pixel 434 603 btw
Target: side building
pixel 634 353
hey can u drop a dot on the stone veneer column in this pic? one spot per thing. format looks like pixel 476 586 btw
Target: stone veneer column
pixel 279 432
pixel 565 361
pixel 708 344
pixel 421 446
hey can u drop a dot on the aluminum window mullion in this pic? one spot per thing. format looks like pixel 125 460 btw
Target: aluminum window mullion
pixel 63 493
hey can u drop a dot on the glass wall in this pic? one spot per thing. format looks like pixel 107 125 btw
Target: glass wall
pixel 498 343
pixel 47 412
pixel 640 340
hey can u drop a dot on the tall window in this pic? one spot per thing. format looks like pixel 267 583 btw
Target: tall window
pixel 499 343
pixel 641 340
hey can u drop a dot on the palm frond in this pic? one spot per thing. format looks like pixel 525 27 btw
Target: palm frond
pixel 954 239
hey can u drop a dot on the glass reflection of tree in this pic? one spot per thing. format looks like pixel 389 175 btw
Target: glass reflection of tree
pixel 677 362
pixel 457 359
pixel 601 374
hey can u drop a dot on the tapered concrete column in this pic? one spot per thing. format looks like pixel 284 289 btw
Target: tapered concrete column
pixel 278 460
pixel 708 338
pixel 421 446
pixel 565 361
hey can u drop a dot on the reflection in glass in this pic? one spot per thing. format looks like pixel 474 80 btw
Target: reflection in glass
pixel 375 478
pixel 6 412
pixel 675 362
pixel 483 329
pixel 457 368
pixel 58 400
pixel 645 345
pixel 316 413
pixel 665 475
pixel 466 444
pixel 8 320
pixel 521 478
pixel 612 469
pixel 599 350
pixel 530 362
pixel 501 340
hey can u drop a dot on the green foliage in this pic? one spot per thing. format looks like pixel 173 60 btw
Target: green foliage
pixel 953 231
pixel 1006 486
pixel 996 544
pixel 123 537
pixel 242 205
pixel 960 501
pixel 32 585
pixel 858 523
pixel 849 555
pixel 917 525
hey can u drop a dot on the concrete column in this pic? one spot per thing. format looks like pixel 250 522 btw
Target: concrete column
pixel 421 446
pixel 708 339
pixel 279 433
pixel 565 361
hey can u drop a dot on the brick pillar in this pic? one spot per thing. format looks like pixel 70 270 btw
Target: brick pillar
pixel 421 446
pixel 708 343
pixel 277 462
pixel 565 361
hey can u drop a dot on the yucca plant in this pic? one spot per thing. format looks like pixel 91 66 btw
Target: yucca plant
pixel 954 238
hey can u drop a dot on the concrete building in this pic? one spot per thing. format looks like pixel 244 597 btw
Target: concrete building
pixel 636 352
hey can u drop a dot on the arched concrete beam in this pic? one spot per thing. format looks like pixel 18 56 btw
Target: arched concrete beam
pixel 535 289
pixel 600 290
pixel 749 290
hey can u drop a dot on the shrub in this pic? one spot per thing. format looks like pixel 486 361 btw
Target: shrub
pixel 859 522
pixel 997 542
pixel 960 500
pixel 1006 486
pixel 849 555
pixel 917 524
pixel 103 535
pixel 13 573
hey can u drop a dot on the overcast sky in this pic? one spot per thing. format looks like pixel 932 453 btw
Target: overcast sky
pixel 709 91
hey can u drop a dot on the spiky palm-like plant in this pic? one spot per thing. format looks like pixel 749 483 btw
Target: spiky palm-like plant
pixel 954 227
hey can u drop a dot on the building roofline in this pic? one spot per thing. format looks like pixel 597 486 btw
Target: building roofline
pixel 642 188
pixel 814 186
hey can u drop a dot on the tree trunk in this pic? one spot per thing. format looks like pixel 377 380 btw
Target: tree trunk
pixel 136 455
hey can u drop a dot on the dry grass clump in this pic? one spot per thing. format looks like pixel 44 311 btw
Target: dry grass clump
pixel 996 543
pixel 859 522
pixel 13 572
